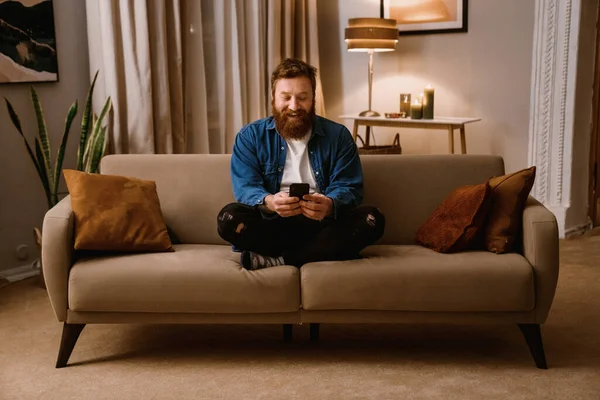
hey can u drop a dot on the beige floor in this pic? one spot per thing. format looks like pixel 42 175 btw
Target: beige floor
pixel 349 362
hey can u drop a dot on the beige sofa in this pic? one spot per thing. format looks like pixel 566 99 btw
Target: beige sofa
pixel 202 282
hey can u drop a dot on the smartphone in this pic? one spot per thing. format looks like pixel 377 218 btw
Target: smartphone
pixel 299 189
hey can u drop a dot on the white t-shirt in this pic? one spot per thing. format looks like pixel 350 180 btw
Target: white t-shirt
pixel 297 165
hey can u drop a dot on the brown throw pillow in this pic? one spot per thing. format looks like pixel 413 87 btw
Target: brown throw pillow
pixel 509 195
pixel 457 222
pixel 116 213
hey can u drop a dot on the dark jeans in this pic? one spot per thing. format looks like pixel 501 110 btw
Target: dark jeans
pixel 298 239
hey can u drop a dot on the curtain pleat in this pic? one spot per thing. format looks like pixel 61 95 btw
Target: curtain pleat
pixel 137 77
pixel 196 86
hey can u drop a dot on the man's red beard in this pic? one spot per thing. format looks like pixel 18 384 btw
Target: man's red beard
pixel 293 128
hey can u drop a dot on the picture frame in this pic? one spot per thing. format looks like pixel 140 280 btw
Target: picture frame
pixel 416 17
pixel 27 42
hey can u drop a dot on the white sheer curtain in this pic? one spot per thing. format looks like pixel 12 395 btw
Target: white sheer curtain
pixel 186 75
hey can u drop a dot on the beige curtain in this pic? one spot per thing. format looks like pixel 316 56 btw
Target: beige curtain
pixel 187 75
pixel 136 45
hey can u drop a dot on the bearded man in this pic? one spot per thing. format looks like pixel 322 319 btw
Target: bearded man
pixel 294 145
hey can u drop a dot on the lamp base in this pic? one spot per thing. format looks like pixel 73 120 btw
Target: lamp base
pixel 369 113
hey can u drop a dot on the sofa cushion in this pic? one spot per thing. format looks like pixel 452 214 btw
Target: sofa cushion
pixel 457 222
pixel 414 278
pixel 193 279
pixel 116 213
pixel 508 197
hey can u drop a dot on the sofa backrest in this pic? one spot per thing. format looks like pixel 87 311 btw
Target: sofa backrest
pixel 193 188
pixel 408 188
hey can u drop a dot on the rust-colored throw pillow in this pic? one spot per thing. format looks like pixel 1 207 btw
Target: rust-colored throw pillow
pixel 457 222
pixel 509 195
pixel 116 213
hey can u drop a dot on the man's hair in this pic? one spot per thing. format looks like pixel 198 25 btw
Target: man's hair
pixel 292 68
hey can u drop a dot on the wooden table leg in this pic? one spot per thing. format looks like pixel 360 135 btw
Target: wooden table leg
pixel 463 140
pixel 451 140
pixel 367 135
pixel 355 130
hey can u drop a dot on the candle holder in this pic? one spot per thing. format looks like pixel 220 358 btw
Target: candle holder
pixel 405 103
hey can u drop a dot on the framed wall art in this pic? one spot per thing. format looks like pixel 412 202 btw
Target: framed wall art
pixel 428 16
pixel 27 41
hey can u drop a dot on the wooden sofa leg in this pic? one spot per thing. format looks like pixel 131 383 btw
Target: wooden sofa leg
pixel 314 331
pixel 533 337
pixel 287 332
pixel 70 334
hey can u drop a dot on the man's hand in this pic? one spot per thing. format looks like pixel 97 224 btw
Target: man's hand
pixel 283 204
pixel 316 206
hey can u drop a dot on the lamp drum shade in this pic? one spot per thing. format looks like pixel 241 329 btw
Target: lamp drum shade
pixel 371 34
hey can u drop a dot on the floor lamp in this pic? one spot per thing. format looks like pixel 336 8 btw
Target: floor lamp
pixel 371 35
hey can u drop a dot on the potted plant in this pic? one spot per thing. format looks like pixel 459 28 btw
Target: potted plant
pixel 92 144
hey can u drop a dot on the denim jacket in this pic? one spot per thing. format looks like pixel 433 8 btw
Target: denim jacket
pixel 259 154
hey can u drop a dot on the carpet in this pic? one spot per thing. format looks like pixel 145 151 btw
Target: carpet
pixel 348 362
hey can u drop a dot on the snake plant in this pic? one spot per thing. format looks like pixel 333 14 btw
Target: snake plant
pixel 92 141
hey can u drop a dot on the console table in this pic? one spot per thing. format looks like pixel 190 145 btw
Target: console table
pixel 446 123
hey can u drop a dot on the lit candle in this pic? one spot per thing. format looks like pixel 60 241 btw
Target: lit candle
pixel 405 103
pixel 416 110
pixel 428 102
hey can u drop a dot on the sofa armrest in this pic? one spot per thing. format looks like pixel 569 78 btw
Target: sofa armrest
pixel 540 248
pixel 57 254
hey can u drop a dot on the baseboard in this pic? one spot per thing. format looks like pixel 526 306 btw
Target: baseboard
pixel 577 230
pixel 22 272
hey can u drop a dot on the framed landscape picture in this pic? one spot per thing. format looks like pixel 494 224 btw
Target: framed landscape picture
pixel 27 41
pixel 428 16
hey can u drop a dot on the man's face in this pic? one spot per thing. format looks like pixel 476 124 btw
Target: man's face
pixel 293 107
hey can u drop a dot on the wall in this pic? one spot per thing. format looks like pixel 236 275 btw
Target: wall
pixel 577 214
pixel 484 73
pixel 22 202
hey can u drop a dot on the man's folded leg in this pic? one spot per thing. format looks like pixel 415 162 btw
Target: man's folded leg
pixel 261 240
pixel 340 239
pixel 245 228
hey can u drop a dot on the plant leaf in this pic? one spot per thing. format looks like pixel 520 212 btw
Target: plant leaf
pixel 89 151
pixel 85 124
pixel 44 139
pixel 13 116
pixel 17 123
pixel 89 142
pixel 43 177
pixel 63 144
pixel 98 151
pixel 95 139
